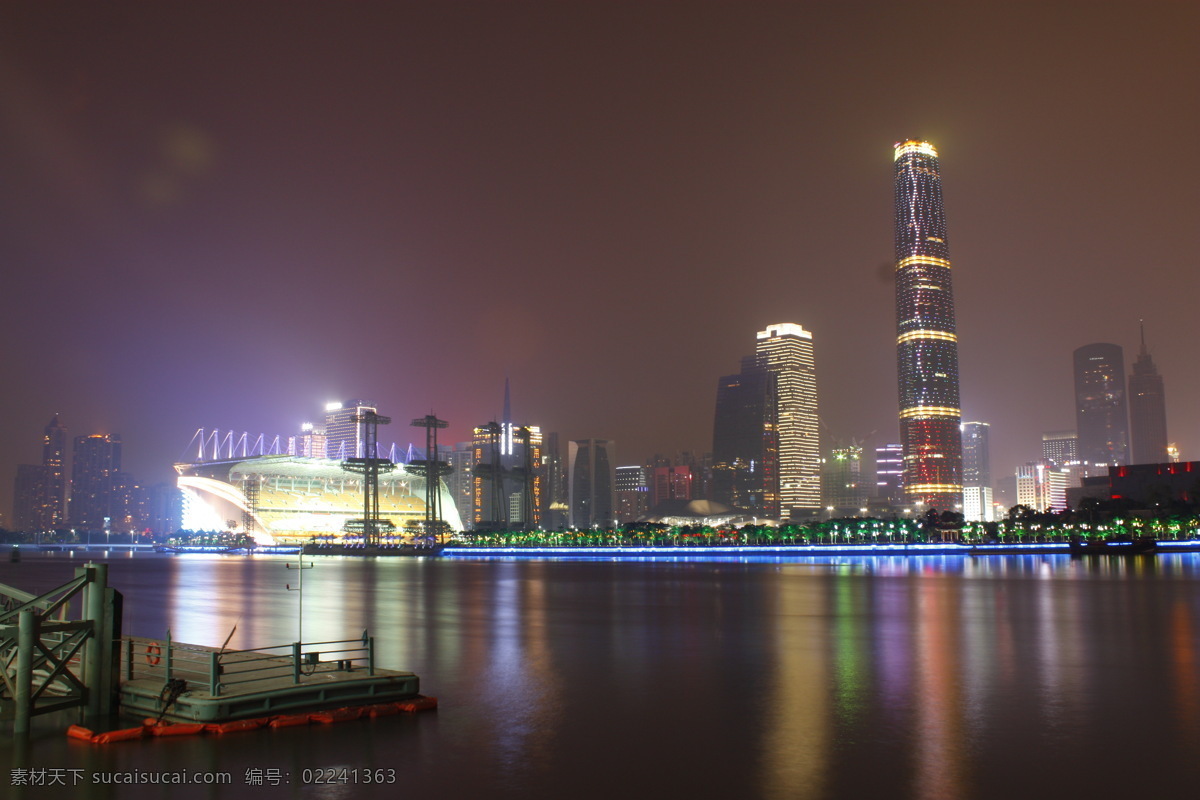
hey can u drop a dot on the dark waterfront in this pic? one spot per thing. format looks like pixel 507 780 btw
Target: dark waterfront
pixel 891 677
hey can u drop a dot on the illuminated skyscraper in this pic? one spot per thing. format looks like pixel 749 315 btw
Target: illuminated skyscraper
pixel 1147 411
pixel 344 435
pixel 926 342
pixel 1100 415
pixel 786 351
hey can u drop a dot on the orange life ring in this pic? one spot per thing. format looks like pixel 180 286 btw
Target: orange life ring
pixel 153 654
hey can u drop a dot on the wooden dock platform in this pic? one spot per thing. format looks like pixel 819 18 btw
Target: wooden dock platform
pixel 195 683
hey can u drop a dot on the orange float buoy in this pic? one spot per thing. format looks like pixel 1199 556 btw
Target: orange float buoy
pixel 177 729
pixel 80 732
pixel 237 725
pixel 419 703
pixel 381 710
pixel 153 654
pixel 119 736
pixel 289 720
pixel 336 715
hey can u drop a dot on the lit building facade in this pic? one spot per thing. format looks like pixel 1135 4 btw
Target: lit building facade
pixel 977 473
pixel 344 436
pixel 1042 486
pixel 504 472
pixel 889 474
pixel 927 341
pixel 1101 417
pixel 670 483
pixel 633 493
pixel 1147 411
pixel 1060 447
pixel 786 351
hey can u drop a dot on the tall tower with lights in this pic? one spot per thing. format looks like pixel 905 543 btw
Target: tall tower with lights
pixel 926 341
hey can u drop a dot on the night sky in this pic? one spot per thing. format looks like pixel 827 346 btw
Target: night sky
pixel 224 215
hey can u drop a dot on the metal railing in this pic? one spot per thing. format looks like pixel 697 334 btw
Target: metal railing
pixel 223 669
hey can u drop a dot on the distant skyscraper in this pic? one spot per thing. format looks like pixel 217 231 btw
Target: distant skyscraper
pixel 54 493
pixel 746 441
pixel 40 491
pixel 591 481
pixel 556 513
pixel 1060 447
pixel 95 464
pixel 786 351
pixel 670 483
pixel 1100 414
pixel 344 437
pixel 28 493
pixel 889 473
pixel 1147 411
pixel 977 472
pixel 926 343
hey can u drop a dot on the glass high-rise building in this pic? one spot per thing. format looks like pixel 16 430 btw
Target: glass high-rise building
pixel 1101 418
pixel 926 341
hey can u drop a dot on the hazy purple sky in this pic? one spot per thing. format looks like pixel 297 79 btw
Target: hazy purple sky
pixel 224 215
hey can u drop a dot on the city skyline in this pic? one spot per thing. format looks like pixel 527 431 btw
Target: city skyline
pixel 187 239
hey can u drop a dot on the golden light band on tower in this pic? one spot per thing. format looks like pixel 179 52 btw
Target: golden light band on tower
pixel 931 261
pixel 913 146
pixel 926 334
pixel 933 488
pixel 921 412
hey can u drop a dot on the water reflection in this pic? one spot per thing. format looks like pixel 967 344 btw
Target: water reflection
pixel 883 676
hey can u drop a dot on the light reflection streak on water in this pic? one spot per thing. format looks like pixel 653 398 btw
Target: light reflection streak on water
pixel 980 629
pixel 1185 669
pixel 795 746
pixel 1048 658
pixel 849 640
pixel 521 669
pixel 199 612
pixel 939 743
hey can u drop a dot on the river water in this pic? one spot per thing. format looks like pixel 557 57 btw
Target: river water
pixel 843 677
